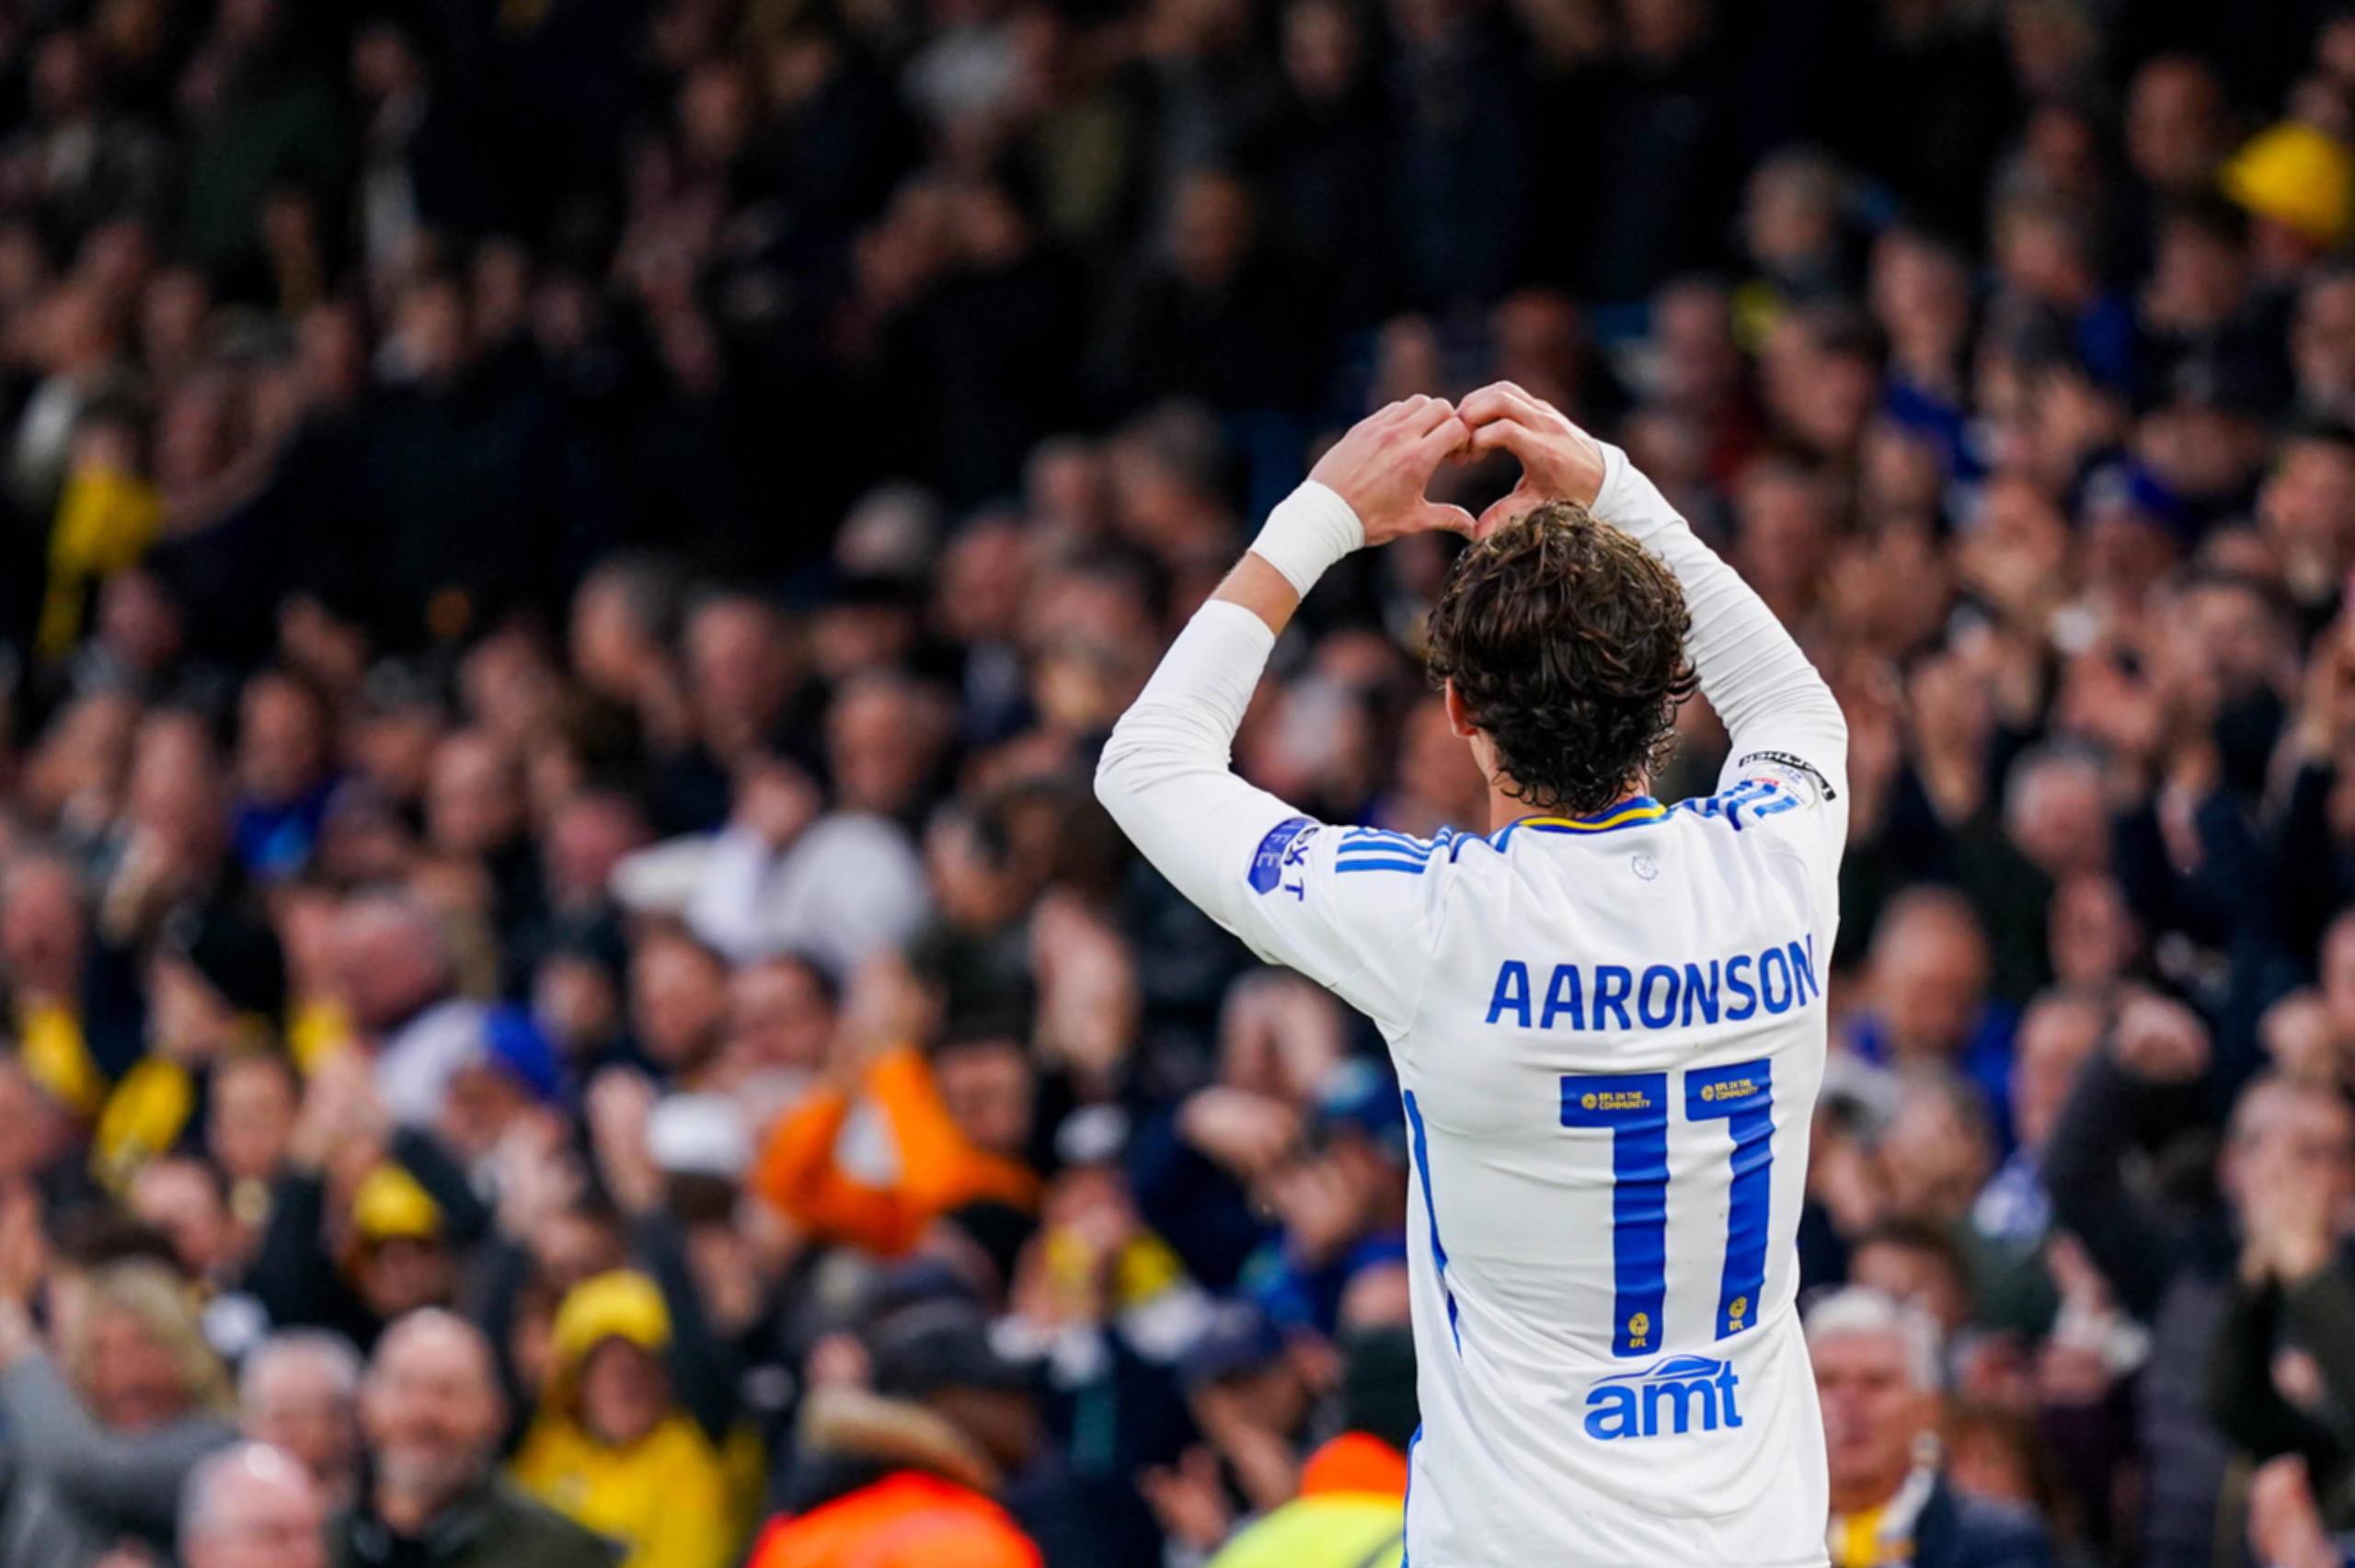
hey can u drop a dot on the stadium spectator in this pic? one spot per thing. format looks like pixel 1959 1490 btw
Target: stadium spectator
pixel 298 1391
pixel 252 1506
pixel 1876 1369
pixel 610 1445
pixel 105 1425
pixel 563 569
pixel 432 1411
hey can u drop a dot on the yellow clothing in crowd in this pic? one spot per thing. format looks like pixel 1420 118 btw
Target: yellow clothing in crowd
pixel 50 1044
pixel 105 521
pixel 666 1498
pixel 670 1498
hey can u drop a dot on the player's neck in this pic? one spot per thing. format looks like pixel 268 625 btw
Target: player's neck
pixel 1506 808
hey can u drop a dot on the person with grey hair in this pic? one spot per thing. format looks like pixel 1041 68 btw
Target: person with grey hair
pixel 433 1414
pixel 299 1392
pixel 252 1506
pixel 1878 1375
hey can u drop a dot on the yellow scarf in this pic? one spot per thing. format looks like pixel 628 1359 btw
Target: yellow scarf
pixel 105 521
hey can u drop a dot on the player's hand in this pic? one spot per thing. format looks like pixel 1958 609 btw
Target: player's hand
pixel 1383 466
pixel 1559 461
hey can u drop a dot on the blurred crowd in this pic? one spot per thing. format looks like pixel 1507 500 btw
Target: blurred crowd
pixel 563 565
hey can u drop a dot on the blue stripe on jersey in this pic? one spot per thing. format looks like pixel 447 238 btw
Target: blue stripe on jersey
pixel 1384 840
pixel 1759 798
pixel 1742 1095
pixel 1430 1210
pixel 1634 1107
pixel 1405 1548
pixel 1374 863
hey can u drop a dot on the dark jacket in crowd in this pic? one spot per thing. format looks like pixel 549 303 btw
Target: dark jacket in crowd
pixel 492 1526
pixel 2175 1275
pixel 1954 1531
pixel 2318 1314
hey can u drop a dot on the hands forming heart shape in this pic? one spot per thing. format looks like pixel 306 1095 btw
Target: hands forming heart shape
pixel 1384 466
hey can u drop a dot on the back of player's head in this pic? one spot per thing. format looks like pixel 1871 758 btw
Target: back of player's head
pixel 1565 641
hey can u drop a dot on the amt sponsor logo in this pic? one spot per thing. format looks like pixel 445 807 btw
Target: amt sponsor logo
pixel 1694 1393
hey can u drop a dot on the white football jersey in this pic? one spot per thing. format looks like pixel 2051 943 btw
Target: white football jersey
pixel 1609 1034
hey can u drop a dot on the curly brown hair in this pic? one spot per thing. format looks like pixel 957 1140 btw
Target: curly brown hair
pixel 1564 638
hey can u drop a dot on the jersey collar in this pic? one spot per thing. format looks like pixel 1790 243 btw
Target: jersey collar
pixel 1628 813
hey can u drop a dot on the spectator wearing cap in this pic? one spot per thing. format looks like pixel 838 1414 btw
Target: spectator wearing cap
pixel 610 1444
pixel 514 1072
pixel 2133 529
pixel 1877 1371
pixel 252 1506
pixel 886 1479
pixel 941 1353
pixel 367 1222
pixel 2297 184
pixel 432 1414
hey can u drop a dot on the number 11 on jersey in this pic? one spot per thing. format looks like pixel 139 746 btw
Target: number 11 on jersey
pixel 1635 1108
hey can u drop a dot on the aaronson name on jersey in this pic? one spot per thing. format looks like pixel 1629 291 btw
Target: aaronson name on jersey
pixel 1655 996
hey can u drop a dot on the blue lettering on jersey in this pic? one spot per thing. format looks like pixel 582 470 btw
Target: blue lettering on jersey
pixel 1740 988
pixel 1562 996
pixel 1680 1395
pixel 1513 994
pixel 1666 995
pixel 1698 1000
pixel 1611 984
pixel 1645 990
pixel 1269 861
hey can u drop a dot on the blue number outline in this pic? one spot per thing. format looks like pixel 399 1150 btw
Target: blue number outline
pixel 1742 1096
pixel 1634 1108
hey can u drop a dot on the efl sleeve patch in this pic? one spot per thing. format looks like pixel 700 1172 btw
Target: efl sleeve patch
pixel 1283 846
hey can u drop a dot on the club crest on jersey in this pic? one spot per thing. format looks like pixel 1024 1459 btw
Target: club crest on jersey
pixel 1681 1395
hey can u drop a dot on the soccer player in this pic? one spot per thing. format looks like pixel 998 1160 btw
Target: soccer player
pixel 1607 1014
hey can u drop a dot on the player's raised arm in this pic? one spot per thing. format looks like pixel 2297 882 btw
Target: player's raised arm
pixel 1775 707
pixel 1163 774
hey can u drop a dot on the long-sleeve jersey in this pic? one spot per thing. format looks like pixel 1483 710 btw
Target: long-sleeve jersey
pixel 1609 1032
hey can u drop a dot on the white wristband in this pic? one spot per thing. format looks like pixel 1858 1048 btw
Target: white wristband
pixel 1310 529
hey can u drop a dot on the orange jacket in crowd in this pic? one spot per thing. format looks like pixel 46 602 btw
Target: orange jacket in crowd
pixel 905 1520
pixel 939 1167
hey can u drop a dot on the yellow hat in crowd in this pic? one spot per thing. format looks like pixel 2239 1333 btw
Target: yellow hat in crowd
pixel 2299 176
pixel 391 1206
pixel 624 1304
